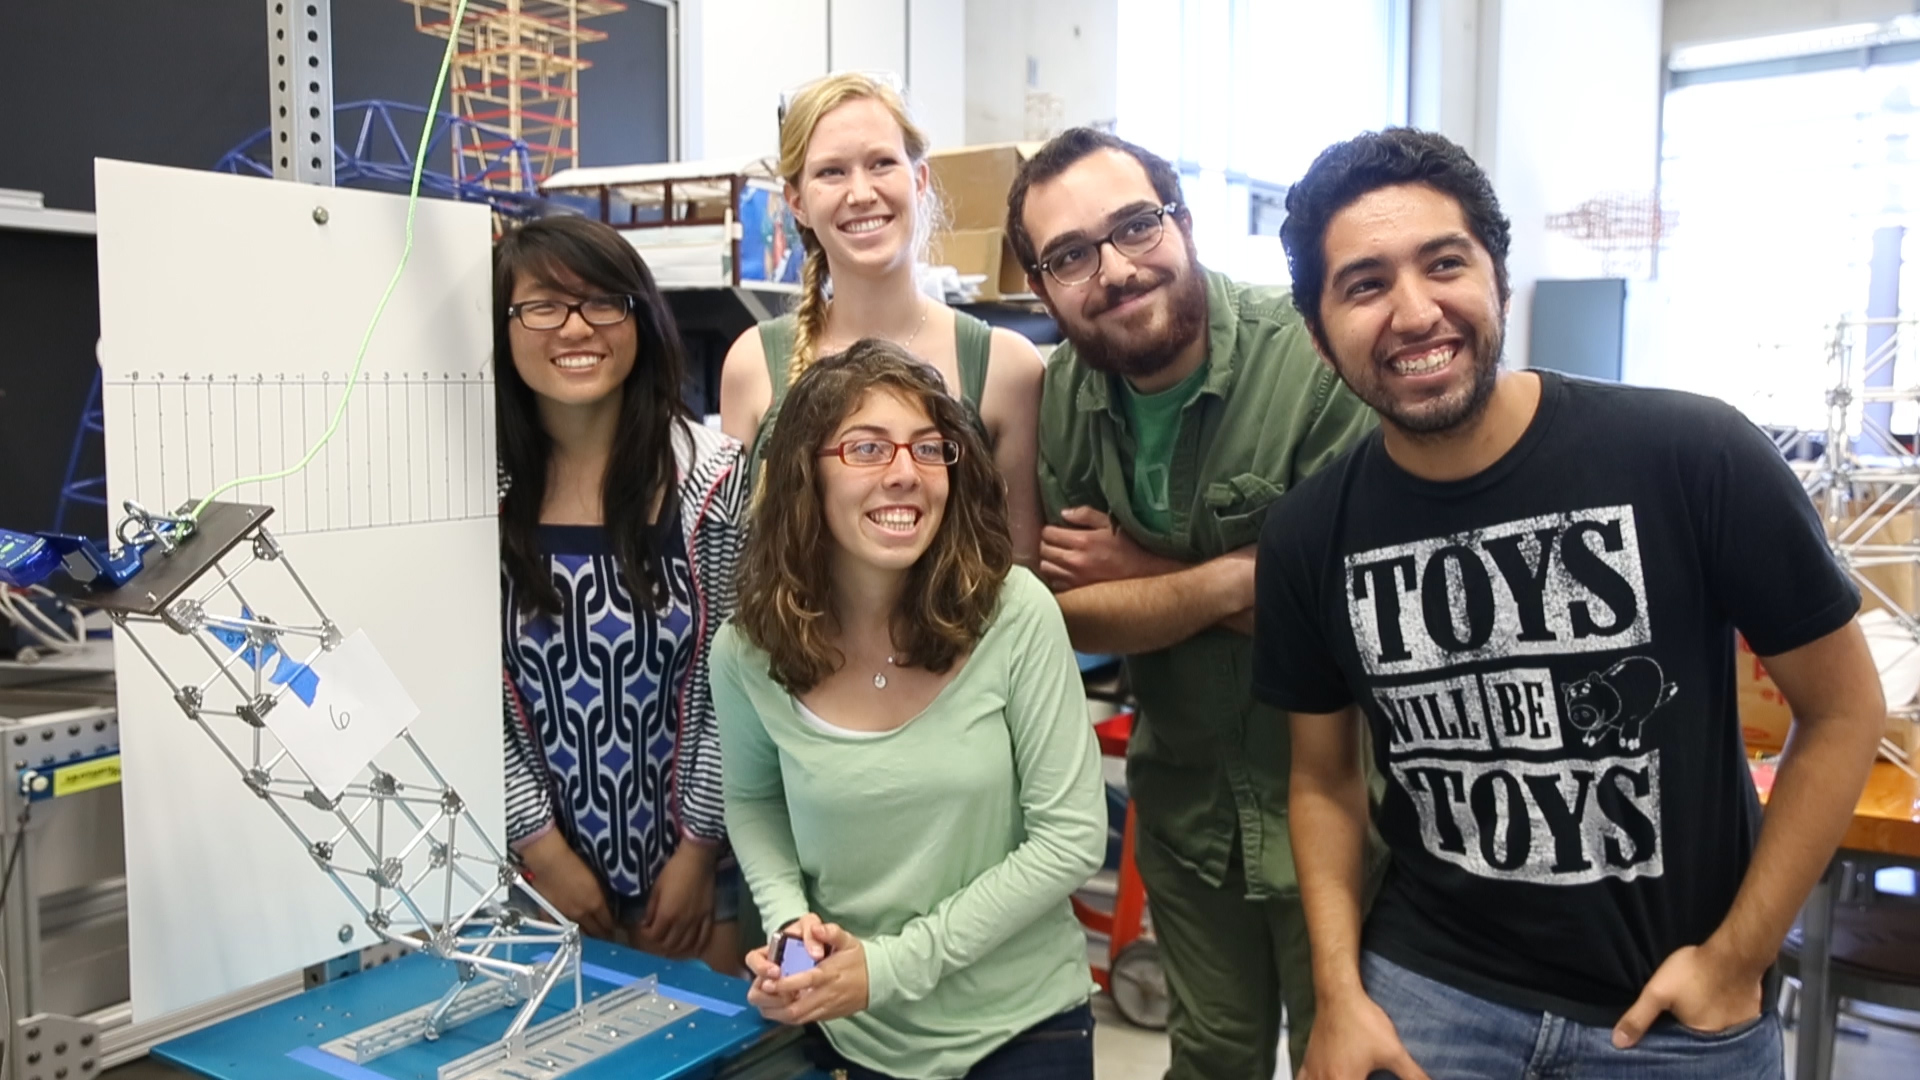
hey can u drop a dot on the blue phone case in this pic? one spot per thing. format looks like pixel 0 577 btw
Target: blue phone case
pixel 793 956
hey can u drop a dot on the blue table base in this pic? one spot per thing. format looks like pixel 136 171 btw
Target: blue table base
pixel 282 1041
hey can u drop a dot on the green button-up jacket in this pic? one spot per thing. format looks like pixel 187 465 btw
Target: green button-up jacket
pixel 1207 762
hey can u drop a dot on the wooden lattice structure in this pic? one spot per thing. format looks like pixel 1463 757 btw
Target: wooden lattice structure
pixel 1627 229
pixel 517 69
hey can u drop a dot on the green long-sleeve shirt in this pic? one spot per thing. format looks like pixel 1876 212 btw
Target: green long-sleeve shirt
pixel 1207 764
pixel 949 846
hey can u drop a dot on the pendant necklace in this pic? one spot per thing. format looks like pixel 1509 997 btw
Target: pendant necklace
pixel 880 677
pixel 925 307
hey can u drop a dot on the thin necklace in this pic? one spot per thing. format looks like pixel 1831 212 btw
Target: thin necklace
pixel 880 677
pixel 925 307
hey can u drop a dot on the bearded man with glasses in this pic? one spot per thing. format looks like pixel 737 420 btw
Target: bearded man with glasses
pixel 1181 406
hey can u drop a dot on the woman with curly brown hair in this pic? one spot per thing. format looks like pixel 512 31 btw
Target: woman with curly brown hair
pixel 912 786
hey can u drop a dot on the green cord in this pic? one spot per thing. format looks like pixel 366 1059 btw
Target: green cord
pixel 360 359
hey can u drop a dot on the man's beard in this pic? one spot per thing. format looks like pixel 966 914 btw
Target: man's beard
pixel 1136 356
pixel 1435 418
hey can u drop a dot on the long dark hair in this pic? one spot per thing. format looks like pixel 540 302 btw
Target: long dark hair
pixel 641 468
pixel 786 586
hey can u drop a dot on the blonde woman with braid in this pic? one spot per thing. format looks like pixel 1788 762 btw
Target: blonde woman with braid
pixel 857 179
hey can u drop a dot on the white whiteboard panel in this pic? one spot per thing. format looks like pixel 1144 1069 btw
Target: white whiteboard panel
pixel 229 321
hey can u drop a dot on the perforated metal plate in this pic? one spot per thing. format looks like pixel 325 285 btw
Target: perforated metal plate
pixel 570 1042
pixel 410 1027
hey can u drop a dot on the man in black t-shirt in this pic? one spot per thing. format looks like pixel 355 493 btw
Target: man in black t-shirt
pixel 1529 587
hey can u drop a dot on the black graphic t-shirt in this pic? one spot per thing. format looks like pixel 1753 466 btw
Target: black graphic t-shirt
pixel 1544 654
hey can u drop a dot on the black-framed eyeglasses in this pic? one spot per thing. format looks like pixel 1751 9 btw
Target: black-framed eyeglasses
pixel 552 314
pixel 1076 263
pixel 873 453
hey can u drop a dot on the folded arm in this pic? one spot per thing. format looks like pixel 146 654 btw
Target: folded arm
pixel 1120 598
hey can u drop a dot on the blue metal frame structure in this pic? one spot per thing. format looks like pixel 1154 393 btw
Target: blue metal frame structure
pixel 377 156
pixel 92 489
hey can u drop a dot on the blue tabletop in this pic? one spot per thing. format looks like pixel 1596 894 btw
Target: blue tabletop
pixel 282 1041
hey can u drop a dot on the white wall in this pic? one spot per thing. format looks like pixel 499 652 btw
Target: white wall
pixel 750 50
pixel 1450 91
pixel 938 51
pixel 1558 101
pixel 868 35
pixel 737 56
pixel 1072 47
pixel 1699 22
pixel 1578 117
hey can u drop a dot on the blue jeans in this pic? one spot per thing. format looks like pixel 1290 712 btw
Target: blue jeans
pixel 1456 1036
pixel 1057 1048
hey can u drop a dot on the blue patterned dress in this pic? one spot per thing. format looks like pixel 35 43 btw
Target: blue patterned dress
pixel 598 684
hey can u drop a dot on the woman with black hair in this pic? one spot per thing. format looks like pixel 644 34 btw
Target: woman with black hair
pixel 620 525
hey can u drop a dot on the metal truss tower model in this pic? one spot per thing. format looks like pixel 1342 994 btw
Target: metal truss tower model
pixel 1866 479
pixel 517 68
pixel 391 837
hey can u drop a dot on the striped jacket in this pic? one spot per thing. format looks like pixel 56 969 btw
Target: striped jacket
pixel 713 512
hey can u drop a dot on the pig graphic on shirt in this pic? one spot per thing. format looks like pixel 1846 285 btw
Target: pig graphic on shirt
pixel 1618 700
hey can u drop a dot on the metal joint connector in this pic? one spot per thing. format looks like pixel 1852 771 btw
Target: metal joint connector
pixel 186 616
pixel 259 781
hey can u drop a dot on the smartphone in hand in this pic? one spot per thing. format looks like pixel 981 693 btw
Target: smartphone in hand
pixel 789 953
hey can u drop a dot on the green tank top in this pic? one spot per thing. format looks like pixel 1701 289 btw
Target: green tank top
pixel 972 340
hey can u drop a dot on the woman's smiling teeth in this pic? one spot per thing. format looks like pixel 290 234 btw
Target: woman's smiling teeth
pixel 1425 362
pixel 577 361
pixel 865 225
pixel 895 518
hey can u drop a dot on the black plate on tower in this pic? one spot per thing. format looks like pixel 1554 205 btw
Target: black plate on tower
pixel 165 576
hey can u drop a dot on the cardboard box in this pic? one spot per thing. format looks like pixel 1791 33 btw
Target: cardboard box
pixel 1765 716
pixel 982 251
pixel 975 180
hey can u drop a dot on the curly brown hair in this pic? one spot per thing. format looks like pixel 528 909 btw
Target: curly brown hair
pixel 785 585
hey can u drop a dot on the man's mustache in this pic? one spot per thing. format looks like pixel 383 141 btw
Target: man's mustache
pixel 1115 295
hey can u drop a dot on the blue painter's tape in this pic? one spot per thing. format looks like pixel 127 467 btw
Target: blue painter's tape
pixel 688 997
pixel 335 1066
pixel 607 975
pixel 620 978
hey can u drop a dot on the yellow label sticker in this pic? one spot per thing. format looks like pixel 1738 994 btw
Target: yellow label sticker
pixel 73 779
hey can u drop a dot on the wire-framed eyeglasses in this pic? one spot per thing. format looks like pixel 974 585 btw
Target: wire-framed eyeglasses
pixel 609 310
pixel 1076 263
pixel 873 453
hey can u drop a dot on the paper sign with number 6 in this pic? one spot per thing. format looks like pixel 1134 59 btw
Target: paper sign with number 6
pixel 358 708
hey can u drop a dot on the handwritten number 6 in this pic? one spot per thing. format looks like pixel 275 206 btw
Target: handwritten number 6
pixel 340 717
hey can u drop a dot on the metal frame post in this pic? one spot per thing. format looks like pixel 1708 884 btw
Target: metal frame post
pixel 300 85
